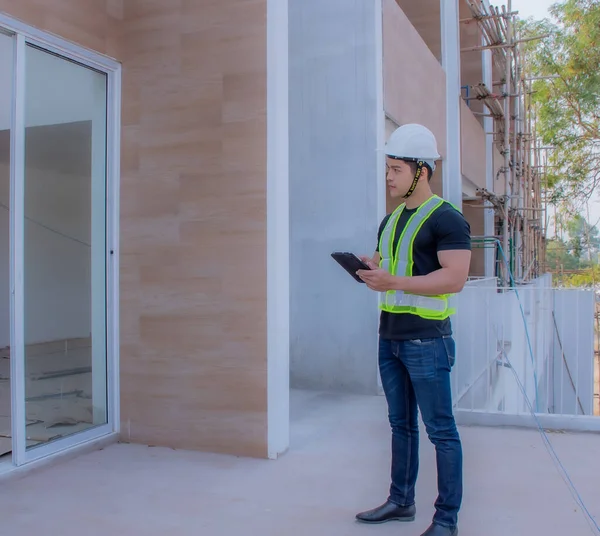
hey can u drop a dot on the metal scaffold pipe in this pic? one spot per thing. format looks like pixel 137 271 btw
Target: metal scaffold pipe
pixel 521 208
pixel 507 149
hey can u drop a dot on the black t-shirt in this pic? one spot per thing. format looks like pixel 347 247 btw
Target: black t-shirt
pixel 446 229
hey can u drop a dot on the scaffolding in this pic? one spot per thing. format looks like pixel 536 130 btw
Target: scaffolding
pixel 521 210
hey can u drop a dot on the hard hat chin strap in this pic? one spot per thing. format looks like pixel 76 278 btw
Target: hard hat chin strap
pixel 413 186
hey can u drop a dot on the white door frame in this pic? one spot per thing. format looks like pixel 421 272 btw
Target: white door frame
pixel 24 35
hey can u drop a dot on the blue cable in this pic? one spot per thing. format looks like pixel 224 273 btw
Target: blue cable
pixel 565 474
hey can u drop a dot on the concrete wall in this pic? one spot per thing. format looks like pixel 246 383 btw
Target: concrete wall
pixel 562 349
pixel 472 147
pixel 476 338
pixel 333 191
pixel 573 353
pixel 490 323
pixel 193 212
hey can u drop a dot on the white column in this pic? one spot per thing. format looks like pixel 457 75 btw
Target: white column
pixel 452 170
pixel 380 114
pixel 278 225
pixel 381 139
pixel 488 127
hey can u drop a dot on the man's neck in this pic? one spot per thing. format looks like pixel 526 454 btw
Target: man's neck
pixel 418 198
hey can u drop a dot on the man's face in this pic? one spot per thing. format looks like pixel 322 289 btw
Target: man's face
pixel 399 177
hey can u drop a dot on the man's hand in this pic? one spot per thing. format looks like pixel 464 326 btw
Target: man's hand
pixel 376 278
pixel 449 279
pixel 373 261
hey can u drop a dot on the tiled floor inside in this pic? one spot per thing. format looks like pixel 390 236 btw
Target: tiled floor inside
pixel 58 389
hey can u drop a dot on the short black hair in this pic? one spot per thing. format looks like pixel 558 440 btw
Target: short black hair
pixel 413 168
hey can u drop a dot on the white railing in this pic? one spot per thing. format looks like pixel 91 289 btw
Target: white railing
pixel 521 349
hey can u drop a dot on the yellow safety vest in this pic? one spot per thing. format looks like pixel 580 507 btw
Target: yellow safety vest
pixel 401 264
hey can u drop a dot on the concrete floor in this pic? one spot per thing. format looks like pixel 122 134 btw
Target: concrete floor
pixel 338 465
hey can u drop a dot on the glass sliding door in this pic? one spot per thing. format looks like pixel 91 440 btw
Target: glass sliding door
pixel 64 249
pixel 6 91
pixel 59 255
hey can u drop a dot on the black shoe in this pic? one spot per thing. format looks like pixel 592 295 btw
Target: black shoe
pixel 438 530
pixel 388 512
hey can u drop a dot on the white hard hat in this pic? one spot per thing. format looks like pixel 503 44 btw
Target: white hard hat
pixel 413 142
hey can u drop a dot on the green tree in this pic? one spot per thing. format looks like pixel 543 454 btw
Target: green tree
pixel 567 99
pixel 588 278
pixel 559 257
pixel 584 239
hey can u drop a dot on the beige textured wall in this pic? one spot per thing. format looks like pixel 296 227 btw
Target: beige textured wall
pixel 193 212
pixel 194 357
pixel 93 24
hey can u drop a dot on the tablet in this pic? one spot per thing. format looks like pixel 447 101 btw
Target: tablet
pixel 351 263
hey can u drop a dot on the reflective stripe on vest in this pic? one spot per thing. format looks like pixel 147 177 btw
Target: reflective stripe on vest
pixel 429 307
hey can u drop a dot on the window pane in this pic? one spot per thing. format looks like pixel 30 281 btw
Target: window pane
pixel 6 81
pixel 65 247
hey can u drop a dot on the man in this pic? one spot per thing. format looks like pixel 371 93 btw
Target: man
pixel 422 257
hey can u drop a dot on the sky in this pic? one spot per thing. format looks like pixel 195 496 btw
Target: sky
pixel 532 8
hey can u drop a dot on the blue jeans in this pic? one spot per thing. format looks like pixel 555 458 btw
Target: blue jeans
pixel 416 374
